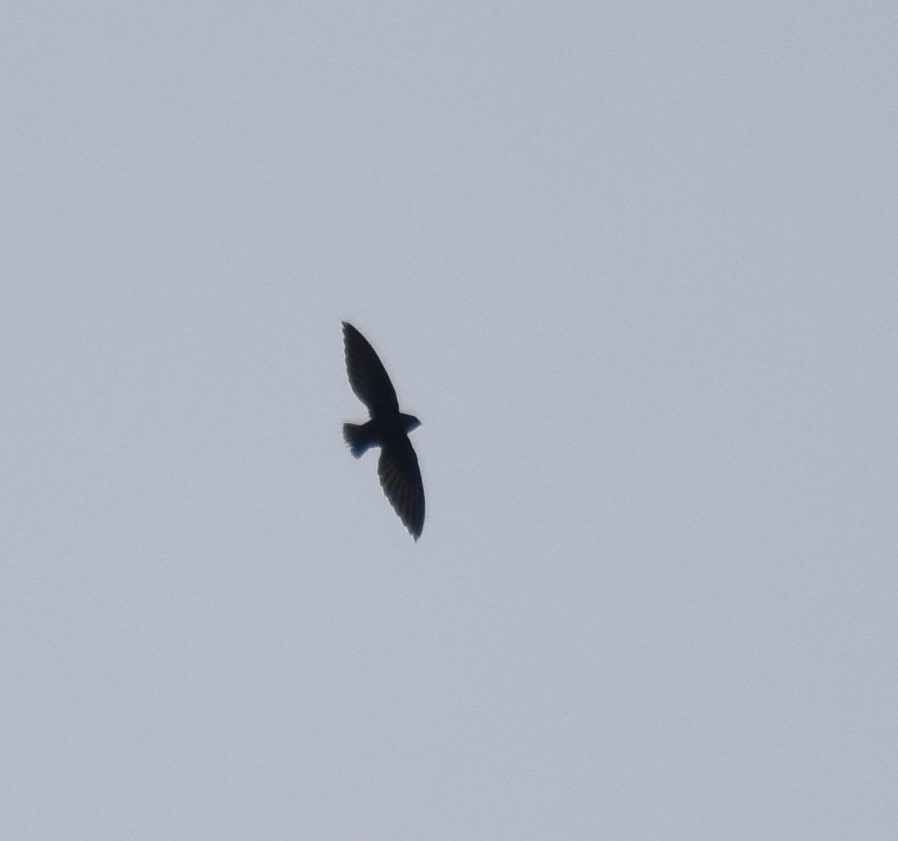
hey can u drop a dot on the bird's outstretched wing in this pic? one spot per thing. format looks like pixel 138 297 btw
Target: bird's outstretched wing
pixel 367 375
pixel 400 478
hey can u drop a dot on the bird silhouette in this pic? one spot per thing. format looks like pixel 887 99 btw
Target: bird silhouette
pixel 388 428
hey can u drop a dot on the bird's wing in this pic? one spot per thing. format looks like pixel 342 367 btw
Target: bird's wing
pixel 366 372
pixel 400 478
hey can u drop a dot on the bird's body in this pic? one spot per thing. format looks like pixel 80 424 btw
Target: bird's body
pixel 388 429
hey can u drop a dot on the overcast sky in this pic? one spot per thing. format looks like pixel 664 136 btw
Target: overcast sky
pixel 634 267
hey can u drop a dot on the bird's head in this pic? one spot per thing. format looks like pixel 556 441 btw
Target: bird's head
pixel 409 422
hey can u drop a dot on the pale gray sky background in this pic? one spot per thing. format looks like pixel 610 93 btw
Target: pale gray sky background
pixel 634 267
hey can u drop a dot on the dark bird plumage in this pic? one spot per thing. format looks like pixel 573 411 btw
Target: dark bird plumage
pixel 388 429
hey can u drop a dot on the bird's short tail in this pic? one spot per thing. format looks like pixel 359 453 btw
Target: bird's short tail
pixel 358 437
